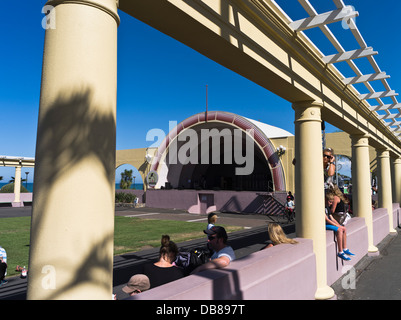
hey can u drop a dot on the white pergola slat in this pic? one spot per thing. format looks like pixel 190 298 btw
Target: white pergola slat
pixel 366 78
pixel 386 107
pixel 349 55
pixel 324 18
pixel 376 95
pixel 347 14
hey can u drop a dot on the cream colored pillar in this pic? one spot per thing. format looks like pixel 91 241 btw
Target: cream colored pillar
pixel 72 231
pixel 361 187
pixel 396 182
pixel 17 187
pixel 309 187
pixel 385 190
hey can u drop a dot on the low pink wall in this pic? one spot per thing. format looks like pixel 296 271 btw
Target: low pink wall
pixel 357 242
pixel 380 225
pixel 204 201
pixel 396 215
pixel 284 272
pixel 9 198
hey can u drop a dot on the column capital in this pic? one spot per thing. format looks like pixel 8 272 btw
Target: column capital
pixel 383 153
pixel 360 140
pixel 397 161
pixel 307 111
pixel 307 104
pixel 108 6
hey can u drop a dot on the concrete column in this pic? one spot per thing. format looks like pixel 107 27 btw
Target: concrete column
pixel 385 190
pixel 72 231
pixel 361 187
pixel 396 182
pixel 17 187
pixel 309 187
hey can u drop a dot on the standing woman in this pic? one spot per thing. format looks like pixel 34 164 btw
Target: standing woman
pixel 329 166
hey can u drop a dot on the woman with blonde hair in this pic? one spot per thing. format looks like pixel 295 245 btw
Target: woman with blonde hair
pixel 337 192
pixel 337 228
pixel 338 208
pixel 277 236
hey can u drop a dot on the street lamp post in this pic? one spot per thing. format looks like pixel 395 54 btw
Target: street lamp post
pixel 26 180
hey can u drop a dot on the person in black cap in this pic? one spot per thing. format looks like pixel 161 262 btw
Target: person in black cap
pixel 223 253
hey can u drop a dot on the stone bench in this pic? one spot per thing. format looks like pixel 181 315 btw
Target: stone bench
pixel 282 272
pixel 9 198
pixel 357 242
pixel 380 225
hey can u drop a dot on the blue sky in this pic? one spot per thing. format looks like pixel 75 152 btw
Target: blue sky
pixel 160 79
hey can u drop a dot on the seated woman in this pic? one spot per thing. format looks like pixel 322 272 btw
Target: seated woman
pixel 338 208
pixel 163 271
pixel 339 230
pixel 277 236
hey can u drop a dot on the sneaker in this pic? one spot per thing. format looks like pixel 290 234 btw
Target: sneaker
pixel 344 257
pixel 349 253
pixel 3 282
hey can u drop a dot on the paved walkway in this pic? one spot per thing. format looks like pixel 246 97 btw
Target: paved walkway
pixel 376 277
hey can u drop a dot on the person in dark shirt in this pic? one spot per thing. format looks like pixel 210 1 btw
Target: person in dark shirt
pixel 339 230
pixel 338 208
pixel 163 271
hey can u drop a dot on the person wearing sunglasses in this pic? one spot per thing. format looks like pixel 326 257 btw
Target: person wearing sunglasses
pixel 329 166
pixel 222 255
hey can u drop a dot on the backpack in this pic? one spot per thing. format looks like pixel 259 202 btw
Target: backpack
pixel 190 260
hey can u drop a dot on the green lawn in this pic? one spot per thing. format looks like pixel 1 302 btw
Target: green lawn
pixel 14 237
pixel 131 235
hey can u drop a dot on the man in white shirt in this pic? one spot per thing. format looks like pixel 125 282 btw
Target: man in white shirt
pixel 3 265
pixel 223 253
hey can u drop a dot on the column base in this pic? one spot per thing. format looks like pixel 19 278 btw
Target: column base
pixel 17 204
pixel 373 251
pixel 325 293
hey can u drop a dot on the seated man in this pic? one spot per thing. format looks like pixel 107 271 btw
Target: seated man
pixel 223 253
pixel 3 265
pixel 289 208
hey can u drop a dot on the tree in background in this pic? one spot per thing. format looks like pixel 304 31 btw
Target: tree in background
pixel 9 188
pixel 13 180
pixel 126 179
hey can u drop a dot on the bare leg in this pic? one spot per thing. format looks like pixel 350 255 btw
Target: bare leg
pixel 344 231
pixel 340 240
